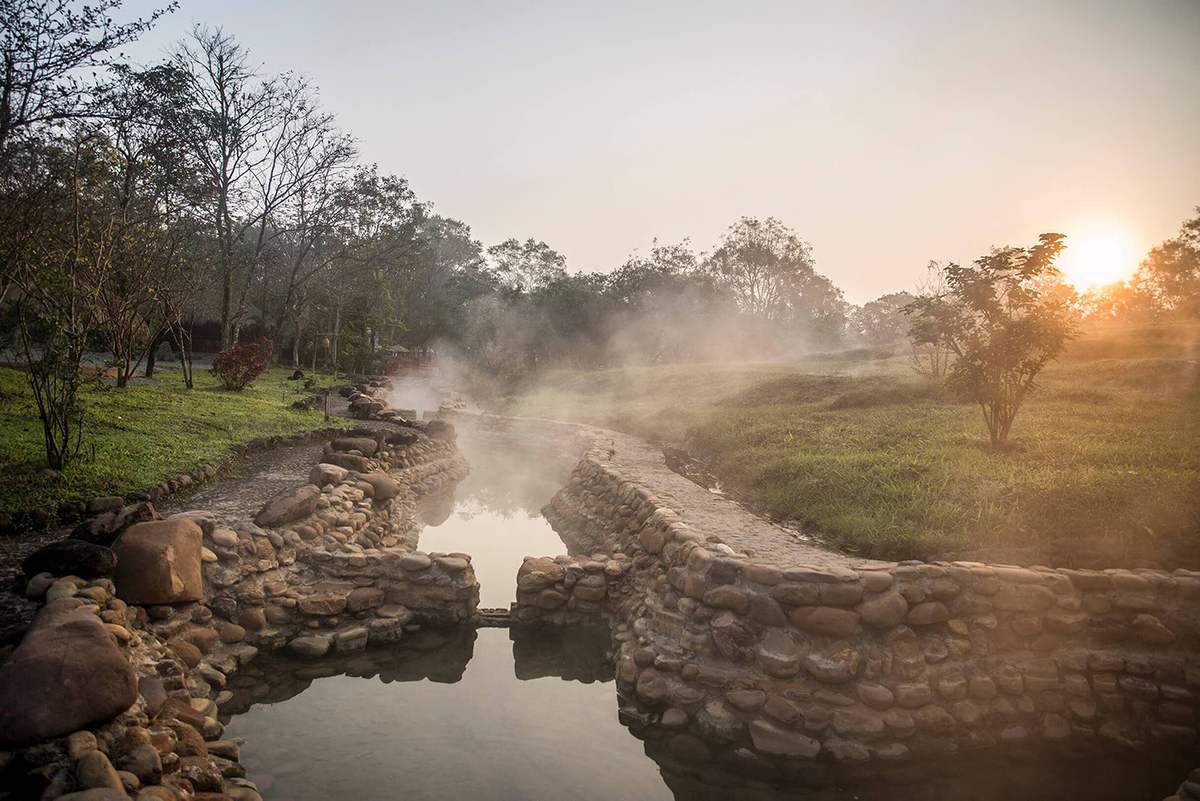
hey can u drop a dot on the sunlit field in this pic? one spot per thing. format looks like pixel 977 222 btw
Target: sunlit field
pixel 1103 466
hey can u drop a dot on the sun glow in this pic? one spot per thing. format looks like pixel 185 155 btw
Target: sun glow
pixel 1098 256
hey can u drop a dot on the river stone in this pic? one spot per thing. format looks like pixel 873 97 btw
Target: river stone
pixel 779 654
pixel 289 505
pixel 310 645
pixel 325 473
pixel 359 464
pixel 384 486
pixel 158 562
pixel 771 739
pixel 323 604
pixel 835 665
pixel 827 620
pixel 94 770
pixel 67 673
pixel 927 614
pixel 884 611
pixel 363 598
pixel 71 557
pixel 539 573
pixel 417 561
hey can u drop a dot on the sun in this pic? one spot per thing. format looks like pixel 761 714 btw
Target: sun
pixel 1098 256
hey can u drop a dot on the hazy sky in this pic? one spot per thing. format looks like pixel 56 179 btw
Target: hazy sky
pixel 886 134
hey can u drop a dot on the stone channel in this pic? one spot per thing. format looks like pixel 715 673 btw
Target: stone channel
pixel 747 662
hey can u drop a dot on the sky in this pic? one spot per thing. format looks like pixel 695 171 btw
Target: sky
pixel 885 134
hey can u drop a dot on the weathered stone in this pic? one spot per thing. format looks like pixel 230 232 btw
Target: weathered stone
pixel 884 611
pixel 826 620
pixel 727 597
pixel 310 645
pixel 351 639
pixel 289 506
pixel 927 614
pixel 415 562
pixel 94 770
pixel 875 695
pixel 158 562
pixel 836 664
pixel 363 598
pixel 779 654
pixel 325 473
pixel 359 464
pixel 385 486
pixel 1151 630
pixel 71 557
pixel 66 673
pixel 772 739
pixel 364 445
pixel 322 604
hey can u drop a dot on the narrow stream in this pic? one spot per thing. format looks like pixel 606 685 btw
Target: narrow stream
pixel 507 715
pixel 495 513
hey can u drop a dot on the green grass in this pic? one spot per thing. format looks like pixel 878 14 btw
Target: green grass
pixel 141 435
pixel 1103 466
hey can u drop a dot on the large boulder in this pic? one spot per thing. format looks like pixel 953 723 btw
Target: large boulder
pixel 385 486
pixel 71 558
pixel 364 445
pixel 159 562
pixel 67 673
pixel 289 506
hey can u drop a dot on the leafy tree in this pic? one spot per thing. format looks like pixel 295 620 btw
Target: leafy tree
pixel 1003 322
pixel 882 321
pixel 522 266
pixel 770 272
pixel 1171 272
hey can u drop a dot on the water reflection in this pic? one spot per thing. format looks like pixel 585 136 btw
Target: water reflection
pixel 490 735
pixel 527 714
pixel 494 514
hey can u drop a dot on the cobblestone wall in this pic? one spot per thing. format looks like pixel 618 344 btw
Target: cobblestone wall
pixel 738 635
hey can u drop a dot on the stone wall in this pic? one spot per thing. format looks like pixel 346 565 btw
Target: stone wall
pixel 741 637
pixel 115 691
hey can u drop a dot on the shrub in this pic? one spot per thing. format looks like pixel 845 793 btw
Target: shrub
pixel 240 364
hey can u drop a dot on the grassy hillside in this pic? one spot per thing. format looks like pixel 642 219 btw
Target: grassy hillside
pixel 1103 466
pixel 141 434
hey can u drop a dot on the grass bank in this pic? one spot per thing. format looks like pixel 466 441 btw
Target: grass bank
pixel 1103 466
pixel 141 435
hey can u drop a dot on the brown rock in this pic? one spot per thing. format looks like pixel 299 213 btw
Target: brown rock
pixel 288 506
pixel 826 620
pixel 363 598
pixel 884 611
pixel 324 474
pixel 384 486
pixel 67 673
pixel 158 562
pixel 927 614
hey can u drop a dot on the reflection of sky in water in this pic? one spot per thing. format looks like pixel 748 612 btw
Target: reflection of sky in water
pixel 489 737
pixel 494 514
pixel 497 543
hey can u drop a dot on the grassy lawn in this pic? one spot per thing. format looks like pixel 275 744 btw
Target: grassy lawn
pixel 1103 466
pixel 141 434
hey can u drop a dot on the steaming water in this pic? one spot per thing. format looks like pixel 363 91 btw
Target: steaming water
pixel 499 715
pixel 494 514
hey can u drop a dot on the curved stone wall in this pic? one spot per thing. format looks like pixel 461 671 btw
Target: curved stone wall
pixel 741 637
